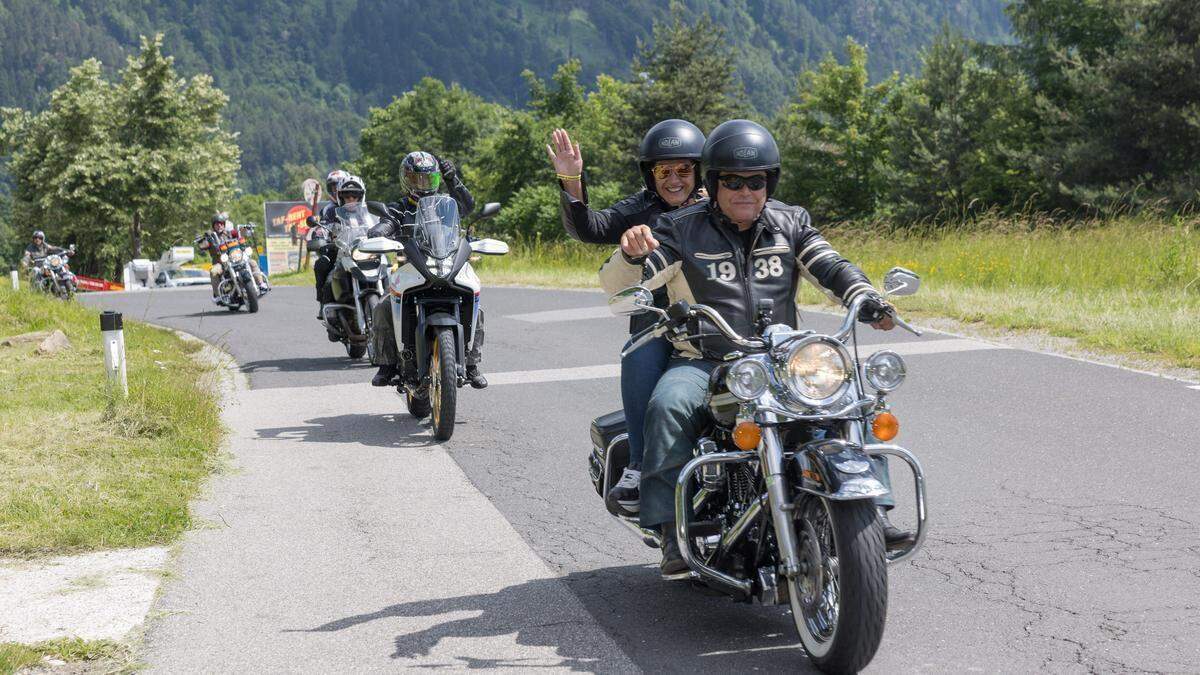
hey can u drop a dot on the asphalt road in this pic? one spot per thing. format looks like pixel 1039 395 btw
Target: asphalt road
pixel 1065 517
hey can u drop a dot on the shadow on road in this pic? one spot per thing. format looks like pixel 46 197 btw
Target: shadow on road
pixel 660 626
pixel 305 365
pixel 398 430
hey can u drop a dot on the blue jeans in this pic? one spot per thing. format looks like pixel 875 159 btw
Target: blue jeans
pixel 639 373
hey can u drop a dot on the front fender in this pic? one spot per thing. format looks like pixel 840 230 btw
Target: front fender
pixel 837 469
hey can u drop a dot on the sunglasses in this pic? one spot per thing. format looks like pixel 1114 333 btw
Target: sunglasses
pixel 735 183
pixel 661 171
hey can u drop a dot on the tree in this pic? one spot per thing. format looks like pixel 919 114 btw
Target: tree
pixel 687 72
pixel 834 138
pixel 963 137
pixel 146 156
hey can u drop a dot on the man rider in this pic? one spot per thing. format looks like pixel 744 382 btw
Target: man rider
pixel 669 162
pixel 38 249
pixel 739 245
pixel 326 250
pixel 421 175
pixel 223 230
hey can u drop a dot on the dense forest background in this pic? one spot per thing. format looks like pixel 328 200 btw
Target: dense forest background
pixel 301 75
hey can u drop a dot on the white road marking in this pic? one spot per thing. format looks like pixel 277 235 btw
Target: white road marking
pixel 614 370
pixel 556 315
pixel 1196 387
pixel 556 374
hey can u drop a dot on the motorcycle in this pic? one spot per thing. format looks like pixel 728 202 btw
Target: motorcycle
pixel 777 502
pixel 435 305
pixel 52 274
pixel 357 281
pixel 237 286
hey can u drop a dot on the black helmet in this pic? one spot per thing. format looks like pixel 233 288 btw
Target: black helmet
pixel 420 174
pixel 669 139
pixel 740 145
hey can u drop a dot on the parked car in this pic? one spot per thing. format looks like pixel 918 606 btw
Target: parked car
pixel 181 277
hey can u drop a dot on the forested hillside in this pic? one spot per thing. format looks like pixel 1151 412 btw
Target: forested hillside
pixel 301 75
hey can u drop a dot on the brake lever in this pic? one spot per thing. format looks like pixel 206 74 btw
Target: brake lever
pixel 646 337
pixel 903 324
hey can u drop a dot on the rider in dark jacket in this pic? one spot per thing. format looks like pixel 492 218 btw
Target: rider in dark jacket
pixel 669 162
pixel 421 174
pixel 730 253
pixel 39 248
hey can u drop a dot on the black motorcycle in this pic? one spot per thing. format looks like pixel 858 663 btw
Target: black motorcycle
pixel 435 305
pixel 237 286
pixel 52 274
pixel 777 503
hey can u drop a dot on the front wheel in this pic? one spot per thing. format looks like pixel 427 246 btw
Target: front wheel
pixel 839 599
pixel 369 304
pixel 251 290
pixel 443 383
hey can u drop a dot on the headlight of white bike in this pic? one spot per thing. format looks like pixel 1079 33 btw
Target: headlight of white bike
pixel 817 371
pixel 747 379
pixel 884 370
pixel 235 255
pixel 362 256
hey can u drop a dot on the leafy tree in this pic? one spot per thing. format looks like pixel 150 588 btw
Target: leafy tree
pixel 447 121
pixel 688 71
pixel 963 136
pixel 146 156
pixel 834 138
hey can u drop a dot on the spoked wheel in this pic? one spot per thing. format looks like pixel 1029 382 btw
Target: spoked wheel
pixel 252 297
pixel 369 315
pixel 443 384
pixel 839 599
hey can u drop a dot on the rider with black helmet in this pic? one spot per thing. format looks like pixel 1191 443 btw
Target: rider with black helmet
pixel 421 174
pixel 739 245
pixel 669 162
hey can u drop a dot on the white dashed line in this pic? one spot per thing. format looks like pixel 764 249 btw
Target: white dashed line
pixel 1196 387
pixel 556 315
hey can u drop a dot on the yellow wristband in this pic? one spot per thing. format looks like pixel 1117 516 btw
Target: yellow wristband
pixel 563 176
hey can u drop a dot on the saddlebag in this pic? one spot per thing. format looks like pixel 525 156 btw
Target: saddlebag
pixel 608 434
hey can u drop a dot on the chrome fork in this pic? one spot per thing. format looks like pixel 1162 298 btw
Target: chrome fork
pixel 770 451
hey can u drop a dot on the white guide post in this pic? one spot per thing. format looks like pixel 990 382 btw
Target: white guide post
pixel 16 279
pixel 112 328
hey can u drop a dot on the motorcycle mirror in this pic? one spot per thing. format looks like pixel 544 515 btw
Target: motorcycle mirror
pixel 379 245
pixel 489 247
pixel 631 301
pixel 900 282
pixel 489 209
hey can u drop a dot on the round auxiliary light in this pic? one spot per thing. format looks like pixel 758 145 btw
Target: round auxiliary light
pixel 817 371
pixel 747 379
pixel 885 370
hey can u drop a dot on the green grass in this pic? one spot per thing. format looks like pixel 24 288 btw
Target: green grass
pixel 80 470
pixel 297 278
pixel 1130 286
pixel 14 657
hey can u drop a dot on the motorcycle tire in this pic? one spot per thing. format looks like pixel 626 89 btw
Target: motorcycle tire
pixel 369 308
pixel 443 384
pixel 355 351
pixel 860 587
pixel 419 408
pixel 252 297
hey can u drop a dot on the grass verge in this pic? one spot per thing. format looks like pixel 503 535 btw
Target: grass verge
pixel 1130 286
pixel 80 470
pixel 14 657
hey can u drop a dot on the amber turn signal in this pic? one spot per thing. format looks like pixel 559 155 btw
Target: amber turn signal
pixel 885 426
pixel 746 435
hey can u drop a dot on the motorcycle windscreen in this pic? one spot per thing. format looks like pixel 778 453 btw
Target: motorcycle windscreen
pixel 437 230
pixel 355 221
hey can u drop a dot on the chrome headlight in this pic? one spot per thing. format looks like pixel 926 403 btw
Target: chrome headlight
pixel 817 371
pixel 54 261
pixel 884 370
pixel 747 379
pixel 224 257
pixel 363 256
pixel 236 255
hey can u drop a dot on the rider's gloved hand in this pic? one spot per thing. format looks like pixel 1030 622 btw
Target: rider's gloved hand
pixel 446 167
pixel 876 311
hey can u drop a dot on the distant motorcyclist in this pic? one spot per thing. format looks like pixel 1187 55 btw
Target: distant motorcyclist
pixel 669 162
pixel 37 250
pixel 421 174
pixel 319 241
pixel 221 231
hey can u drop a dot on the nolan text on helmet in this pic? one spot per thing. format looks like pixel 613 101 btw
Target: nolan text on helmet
pixel 670 142
pixel 745 152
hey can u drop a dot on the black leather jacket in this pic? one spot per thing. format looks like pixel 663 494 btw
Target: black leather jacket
pixel 701 259
pixel 406 209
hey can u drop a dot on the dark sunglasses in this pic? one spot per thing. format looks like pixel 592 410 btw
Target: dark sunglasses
pixel 735 183
pixel 661 171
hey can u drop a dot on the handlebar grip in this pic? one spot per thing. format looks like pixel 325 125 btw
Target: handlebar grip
pixel 679 311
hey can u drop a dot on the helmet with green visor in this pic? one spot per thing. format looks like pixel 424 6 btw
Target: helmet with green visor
pixel 420 175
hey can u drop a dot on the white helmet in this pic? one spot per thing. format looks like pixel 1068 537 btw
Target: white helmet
pixel 351 185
